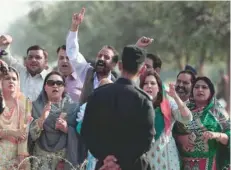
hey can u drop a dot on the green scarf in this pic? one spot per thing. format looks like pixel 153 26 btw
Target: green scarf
pixel 159 122
pixel 211 123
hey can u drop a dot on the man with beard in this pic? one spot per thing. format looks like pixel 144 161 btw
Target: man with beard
pixel 103 67
pixel 184 82
pixel 106 60
pixel 119 117
pixel 32 72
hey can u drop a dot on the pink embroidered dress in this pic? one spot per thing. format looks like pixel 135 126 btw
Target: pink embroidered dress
pixel 14 118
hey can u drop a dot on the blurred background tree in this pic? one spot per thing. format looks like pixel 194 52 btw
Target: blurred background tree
pixel 195 33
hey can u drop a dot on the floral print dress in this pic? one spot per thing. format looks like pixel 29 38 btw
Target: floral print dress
pixel 163 154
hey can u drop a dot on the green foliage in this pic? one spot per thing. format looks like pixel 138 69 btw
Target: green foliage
pixel 187 31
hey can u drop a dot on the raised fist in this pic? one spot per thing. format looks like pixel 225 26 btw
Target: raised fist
pixel 5 40
pixel 144 42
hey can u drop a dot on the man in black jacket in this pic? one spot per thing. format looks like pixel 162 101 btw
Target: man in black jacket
pixel 119 117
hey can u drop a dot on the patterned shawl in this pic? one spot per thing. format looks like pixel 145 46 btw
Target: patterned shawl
pixel 211 111
pixel 52 140
pixel 17 118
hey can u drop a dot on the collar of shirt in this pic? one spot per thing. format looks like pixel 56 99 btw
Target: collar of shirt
pixel 96 81
pixel 126 81
pixel 74 75
pixel 43 74
pixel 73 81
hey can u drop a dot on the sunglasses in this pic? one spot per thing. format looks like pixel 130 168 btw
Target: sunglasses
pixel 53 82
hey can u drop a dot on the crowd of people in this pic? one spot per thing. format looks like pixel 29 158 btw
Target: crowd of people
pixel 128 121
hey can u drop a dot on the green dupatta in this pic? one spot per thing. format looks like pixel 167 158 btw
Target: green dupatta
pixel 213 119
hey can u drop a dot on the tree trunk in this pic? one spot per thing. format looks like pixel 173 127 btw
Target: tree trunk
pixel 228 63
pixel 180 64
pixel 187 57
pixel 202 60
pixel 228 87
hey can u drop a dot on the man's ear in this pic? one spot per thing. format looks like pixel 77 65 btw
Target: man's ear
pixel 158 70
pixel 46 64
pixel 142 70
pixel 120 66
pixel 113 64
pixel 24 61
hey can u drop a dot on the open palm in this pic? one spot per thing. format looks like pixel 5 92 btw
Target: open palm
pixel 171 92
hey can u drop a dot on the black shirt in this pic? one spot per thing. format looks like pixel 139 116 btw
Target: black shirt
pixel 119 121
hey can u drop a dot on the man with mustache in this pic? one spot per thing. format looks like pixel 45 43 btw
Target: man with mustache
pixel 106 60
pixel 32 72
pixel 184 82
pixel 119 117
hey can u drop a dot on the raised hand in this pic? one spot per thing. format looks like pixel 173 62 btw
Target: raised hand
pixel 172 92
pixel 45 113
pixel 144 42
pixel 77 19
pixel 5 40
pixel 61 124
pixel 46 110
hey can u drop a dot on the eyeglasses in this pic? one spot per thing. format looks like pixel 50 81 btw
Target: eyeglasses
pixel 53 82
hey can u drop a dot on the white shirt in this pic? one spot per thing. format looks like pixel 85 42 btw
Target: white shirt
pixel 76 58
pixel 30 86
pixel 78 62
pixel 96 81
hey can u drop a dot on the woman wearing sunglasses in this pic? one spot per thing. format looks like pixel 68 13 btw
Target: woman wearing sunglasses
pixel 53 129
pixel 15 118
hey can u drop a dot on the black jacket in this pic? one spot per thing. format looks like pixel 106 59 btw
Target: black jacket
pixel 119 121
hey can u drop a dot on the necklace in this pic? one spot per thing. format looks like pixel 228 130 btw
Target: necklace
pixel 199 109
pixel 8 112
